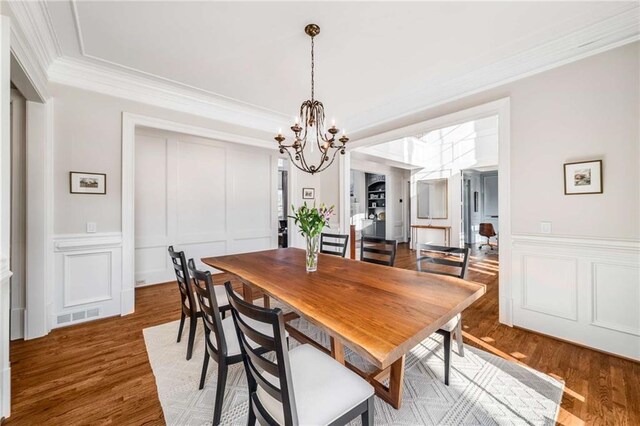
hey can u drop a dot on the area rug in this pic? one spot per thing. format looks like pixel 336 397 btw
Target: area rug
pixel 484 389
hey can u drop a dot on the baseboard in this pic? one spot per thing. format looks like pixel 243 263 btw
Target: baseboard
pixel 591 348
pixel 5 392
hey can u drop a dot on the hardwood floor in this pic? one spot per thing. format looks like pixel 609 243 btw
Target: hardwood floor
pixel 99 373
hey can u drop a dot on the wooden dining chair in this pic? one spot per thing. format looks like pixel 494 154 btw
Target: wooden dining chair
pixel 455 259
pixel 378 250
pixel 221 341
pixel 189 306
pixel 335 244
pixel 303 386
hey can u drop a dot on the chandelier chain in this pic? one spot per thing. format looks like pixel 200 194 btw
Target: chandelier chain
pixel 312 75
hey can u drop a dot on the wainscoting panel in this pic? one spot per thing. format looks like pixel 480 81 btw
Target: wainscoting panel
pixel 610 280
pixel 202 196
pixel 581 290
pixel 538 283
pixel 88 277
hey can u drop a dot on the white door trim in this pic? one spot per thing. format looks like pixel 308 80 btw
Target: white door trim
pixel 129 123
pixel 501 108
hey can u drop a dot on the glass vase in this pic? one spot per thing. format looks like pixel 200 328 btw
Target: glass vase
pixel 313 246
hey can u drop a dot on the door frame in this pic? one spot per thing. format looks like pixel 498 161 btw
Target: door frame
pixel 129 123
pixel 502 109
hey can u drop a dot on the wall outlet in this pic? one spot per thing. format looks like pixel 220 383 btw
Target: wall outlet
pixel 545 227
pixel 91 227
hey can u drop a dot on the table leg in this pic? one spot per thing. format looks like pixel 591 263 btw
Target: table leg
pixel 247 293
pixel 391 394
pixel 337 351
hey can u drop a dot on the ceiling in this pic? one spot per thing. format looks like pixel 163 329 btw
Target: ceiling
pixel 369 55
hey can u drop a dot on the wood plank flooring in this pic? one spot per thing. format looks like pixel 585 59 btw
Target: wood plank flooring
pixel 99 373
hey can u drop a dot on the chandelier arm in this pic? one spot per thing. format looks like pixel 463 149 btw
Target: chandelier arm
pixel 328 164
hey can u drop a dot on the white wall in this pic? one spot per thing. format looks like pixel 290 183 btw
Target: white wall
pixel 88 268
pixel 582 281
pixel 583 110
pixel 202 196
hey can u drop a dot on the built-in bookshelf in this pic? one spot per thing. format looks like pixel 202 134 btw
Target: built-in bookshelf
pixel 376 204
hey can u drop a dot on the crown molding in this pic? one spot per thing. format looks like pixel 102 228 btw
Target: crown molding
pixel 620 29
pixel 35 45
pixel 85 74
pixel 33 42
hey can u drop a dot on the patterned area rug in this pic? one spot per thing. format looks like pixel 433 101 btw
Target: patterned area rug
pixel 484 389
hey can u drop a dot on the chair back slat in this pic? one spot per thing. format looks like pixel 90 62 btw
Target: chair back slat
pixel 187 298
pixel 259 338
pixel 254 363
pixel 260 361
pixel 335 244
pixel 203 288
pixel 261 413
pixel 383 251
pixel 441 255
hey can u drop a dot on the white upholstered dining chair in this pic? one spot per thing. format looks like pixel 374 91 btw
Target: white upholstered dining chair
pixel 303 386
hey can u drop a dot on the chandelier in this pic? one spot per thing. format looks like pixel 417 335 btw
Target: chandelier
pixel 312 116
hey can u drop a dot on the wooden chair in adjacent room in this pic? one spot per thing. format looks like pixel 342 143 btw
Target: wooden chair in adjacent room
pixel 335 244
pixel 188 305
pixel 304 386
pixel 378 250
pixel 221 340
pixel 452 261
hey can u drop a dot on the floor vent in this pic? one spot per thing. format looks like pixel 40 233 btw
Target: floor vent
pixel 64 318
pixel 78 316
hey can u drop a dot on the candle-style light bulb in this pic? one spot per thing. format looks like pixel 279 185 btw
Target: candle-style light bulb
pixel 297 120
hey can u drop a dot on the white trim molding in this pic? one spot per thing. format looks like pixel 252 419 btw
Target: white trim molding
pixel 586 290
pixel 153 90
pixel 129 124
pixel 74 242
pixel 33 42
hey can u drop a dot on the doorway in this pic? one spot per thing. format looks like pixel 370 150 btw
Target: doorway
pixel 405 152
pixel 283 203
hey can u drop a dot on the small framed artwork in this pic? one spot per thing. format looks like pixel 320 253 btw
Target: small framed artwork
pixel 308 193
pixel 87 183
pixel 584 177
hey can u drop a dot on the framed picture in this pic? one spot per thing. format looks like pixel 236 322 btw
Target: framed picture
pixel 308 193
pixel 584 177
pixel 87 183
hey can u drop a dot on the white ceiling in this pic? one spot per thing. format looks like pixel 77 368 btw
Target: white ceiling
pixel 368 55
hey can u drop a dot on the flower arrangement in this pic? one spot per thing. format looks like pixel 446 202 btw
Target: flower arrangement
pixel 311 221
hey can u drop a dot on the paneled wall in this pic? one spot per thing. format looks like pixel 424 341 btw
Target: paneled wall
pixel 88 277
pixel 582 290
pixel 203 196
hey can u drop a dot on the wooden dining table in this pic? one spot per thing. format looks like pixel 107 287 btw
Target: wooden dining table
pixel 379 312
